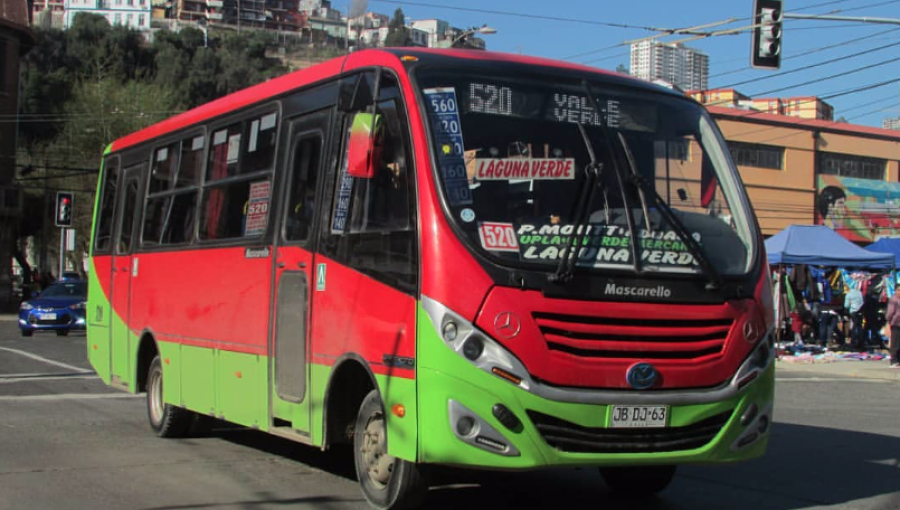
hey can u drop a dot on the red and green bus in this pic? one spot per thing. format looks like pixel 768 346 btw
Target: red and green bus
pixel 441 257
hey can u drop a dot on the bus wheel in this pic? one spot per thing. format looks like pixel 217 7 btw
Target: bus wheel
pixel 387 482
pixel 166 420
pixel 638 480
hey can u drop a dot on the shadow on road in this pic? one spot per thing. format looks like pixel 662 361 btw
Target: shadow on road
pixel 806 466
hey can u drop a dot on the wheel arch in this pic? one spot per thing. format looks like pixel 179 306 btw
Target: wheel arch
pixel 147 350
pixel 350 381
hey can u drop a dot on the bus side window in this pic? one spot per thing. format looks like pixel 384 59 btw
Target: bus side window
pixel 301 202
pixel 237 191
pixel 103 234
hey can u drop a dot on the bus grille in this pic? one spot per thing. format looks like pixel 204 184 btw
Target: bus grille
pixel 645 338
pixel 572 438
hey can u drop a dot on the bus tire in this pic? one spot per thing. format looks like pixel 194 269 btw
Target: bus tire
pixel 166 420
pixel 388 483
pixel 637 480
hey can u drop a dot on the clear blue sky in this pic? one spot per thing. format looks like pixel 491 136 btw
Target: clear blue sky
pixel 573 30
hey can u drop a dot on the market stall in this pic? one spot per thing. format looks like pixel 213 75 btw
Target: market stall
pixel 887 245
pixel 815 269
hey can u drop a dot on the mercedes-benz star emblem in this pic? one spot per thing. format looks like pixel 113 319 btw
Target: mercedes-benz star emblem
pixel 507 324
pixel 641 376
pixel 751 331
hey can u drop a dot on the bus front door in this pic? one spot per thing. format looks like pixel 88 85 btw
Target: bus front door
pixel 295 275
pixel 124 268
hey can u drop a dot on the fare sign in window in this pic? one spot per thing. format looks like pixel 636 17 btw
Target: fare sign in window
pixel 498 236
pixel 448 135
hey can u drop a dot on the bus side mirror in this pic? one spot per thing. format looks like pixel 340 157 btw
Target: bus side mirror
pixel 362 148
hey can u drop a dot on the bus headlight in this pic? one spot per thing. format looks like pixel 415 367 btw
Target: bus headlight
pixel 463 338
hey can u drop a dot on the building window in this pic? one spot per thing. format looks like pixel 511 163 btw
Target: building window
pixel 755 155
pixel 846 165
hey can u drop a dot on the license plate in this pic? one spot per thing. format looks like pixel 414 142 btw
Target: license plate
pixel 47 316
pixel 638 416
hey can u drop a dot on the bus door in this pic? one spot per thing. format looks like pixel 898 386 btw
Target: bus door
pixel 124 269
pixel 294 273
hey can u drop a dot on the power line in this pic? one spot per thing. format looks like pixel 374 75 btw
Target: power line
pixel 522 15
pixel 730 20
pixel 810 51
pixel 811 66
pixel 830 77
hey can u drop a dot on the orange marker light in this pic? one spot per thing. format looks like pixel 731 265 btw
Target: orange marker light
pixel 238 374
pixel 398 410
pixel 166 361
pixel 409 58
pixel 506 375
pixel 95 347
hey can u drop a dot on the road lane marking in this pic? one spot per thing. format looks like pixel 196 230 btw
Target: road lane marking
pixel 67 396
pixel 46 360
pixel 16 378
pixel 834 379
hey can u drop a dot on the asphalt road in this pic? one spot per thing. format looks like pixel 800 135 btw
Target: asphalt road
pixel 68 442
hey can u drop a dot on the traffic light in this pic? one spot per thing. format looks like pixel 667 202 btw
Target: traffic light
pixel 765 49
pixel 65 202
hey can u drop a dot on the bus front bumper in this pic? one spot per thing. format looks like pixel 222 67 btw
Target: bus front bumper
pixel 487 422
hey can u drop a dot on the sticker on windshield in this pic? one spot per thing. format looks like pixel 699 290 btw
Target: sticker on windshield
pixel 498 236
pixel 605 246
pixel 524 168
pixel 448 137
pixel 467 215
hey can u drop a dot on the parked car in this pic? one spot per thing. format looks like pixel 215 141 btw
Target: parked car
pixel 60 308
pixel 69 276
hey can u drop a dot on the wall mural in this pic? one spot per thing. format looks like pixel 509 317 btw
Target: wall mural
pixel 861 210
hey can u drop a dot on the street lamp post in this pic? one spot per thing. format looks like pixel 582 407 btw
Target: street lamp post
pixel 462 41
pixel 203 24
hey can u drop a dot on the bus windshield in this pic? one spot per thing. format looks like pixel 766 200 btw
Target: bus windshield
pixel 533 166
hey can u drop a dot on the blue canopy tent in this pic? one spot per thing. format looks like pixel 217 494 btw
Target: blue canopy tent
pixel 819 245
pixel 887 245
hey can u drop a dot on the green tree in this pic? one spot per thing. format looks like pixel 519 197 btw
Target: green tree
pixel 398 33
pixel 46 86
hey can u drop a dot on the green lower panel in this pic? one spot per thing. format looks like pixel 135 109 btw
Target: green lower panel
pixel 198 377
pixel 98 351
pixel 402 433
pixel 170 355
pixel 241 395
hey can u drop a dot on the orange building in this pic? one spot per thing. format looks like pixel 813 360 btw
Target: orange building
pixel 804 107
pixel 811 171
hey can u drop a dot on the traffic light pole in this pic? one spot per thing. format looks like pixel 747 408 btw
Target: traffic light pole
pixel 62 251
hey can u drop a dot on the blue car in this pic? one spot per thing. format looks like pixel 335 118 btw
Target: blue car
pixel 60 308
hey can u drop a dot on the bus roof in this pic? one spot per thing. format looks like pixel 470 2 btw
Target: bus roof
pixel 334 67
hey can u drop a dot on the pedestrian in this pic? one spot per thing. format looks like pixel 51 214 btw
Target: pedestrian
pixel 893 319
pixel 827 322
pixel 853 303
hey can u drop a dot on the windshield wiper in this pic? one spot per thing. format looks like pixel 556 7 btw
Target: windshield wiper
pixel 645 187
pixel 566 268
pixel 629 217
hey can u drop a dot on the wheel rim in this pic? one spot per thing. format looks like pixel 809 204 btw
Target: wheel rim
pixel 154 393
pixel 373 448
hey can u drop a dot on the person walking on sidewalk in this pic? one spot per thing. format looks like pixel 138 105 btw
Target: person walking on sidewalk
pixel 893 318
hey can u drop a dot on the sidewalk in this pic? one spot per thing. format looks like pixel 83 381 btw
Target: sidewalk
pixel 868 369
